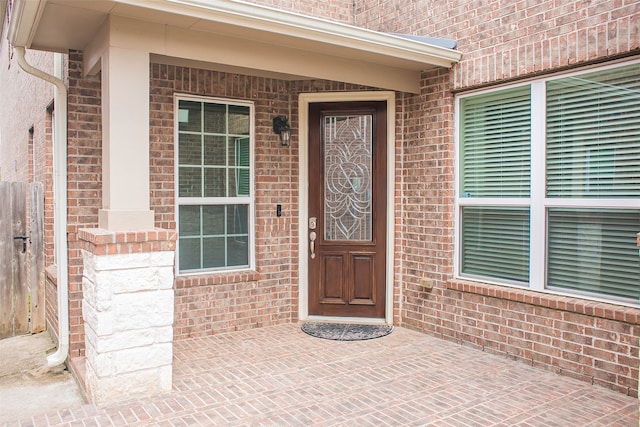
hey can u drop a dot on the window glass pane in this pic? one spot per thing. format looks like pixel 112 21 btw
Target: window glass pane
pixel 594 251
pixel 215 182
pixel 213 220
pixel 215 118
pixel 495 144
pixel 190 116
pixel 593 134
pixel 189 221
pixel 237 219
pixel 215 150
pixel 238 120
pixel 189 182
pixel 239 152
pixel 213 252
pixel 190 149
pixel 189 249
pixel 223 241
pixel 495 243
pixel 348 149
pixel 239 177
pixel 233 189
pixel 238 236
pixel 238 254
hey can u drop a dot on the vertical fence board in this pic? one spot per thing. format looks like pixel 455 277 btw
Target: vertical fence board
pixel 36 255
pixel 15 275
pixel 6 261
pixel 20 278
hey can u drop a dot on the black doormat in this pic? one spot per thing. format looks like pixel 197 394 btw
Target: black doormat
pixel 345 331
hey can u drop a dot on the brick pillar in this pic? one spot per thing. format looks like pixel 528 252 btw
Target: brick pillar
pixel 127 308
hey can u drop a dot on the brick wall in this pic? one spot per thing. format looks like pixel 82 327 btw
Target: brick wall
pixel 51 302
pixel 84 169
pixel 501 41
pixel 213 303
pixel 334 10
pixel 222 302
pixel 596 342
pixel 43 164
pixel 505 40
pixel 205 304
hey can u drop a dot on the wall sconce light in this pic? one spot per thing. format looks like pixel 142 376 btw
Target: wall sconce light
pixel 282 128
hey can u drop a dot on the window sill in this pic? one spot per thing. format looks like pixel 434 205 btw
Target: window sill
pixel 216 278
pixel 557 302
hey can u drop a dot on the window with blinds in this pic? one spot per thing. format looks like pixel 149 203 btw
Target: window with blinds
pixel 593 134
pixel 495 162
pixel 594 251
pixel 495 130
pixel 496 243
pixel 570 224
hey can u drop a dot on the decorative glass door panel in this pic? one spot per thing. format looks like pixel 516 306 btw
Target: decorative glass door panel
pixel 347 209
pixel 347 177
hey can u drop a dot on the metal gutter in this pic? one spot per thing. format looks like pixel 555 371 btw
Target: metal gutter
pixel 60 197
pixel 25 15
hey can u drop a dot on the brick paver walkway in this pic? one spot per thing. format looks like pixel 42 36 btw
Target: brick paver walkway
pixel 279 376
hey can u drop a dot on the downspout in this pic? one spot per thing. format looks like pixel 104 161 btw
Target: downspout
pixel 59 197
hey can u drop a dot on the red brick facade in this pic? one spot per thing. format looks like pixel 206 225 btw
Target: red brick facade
pixel 501 41
pixel 510 40
pixel 221 302
pixel 335 10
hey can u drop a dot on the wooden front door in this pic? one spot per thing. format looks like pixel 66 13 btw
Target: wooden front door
pixel 347 209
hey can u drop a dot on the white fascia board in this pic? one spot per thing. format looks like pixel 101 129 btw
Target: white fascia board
pixel 23 21
pixel 295 25
pixel 177 42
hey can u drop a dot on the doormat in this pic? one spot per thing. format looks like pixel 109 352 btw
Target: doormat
pixel 345 331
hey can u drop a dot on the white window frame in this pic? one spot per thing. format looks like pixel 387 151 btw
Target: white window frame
pixel 250 200
pixel 537 203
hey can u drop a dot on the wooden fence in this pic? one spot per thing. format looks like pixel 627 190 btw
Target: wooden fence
pixel 22 274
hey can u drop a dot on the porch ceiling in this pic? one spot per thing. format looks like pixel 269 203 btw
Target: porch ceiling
pixel 60 25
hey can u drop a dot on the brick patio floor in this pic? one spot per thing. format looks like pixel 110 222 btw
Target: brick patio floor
pixel 279 376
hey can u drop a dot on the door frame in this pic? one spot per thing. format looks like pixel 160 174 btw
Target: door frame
pixel 304 100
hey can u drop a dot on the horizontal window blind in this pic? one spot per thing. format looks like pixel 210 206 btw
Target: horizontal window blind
pixel 594 251
pixel 495 144
pixel 593 134
pixel 495 242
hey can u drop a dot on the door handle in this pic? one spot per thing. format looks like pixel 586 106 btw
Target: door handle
pixel 312 244
pixel 24 242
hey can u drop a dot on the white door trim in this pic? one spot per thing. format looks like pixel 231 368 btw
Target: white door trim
pixel 303 201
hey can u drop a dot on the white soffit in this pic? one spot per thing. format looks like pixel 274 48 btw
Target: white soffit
pixel 60 25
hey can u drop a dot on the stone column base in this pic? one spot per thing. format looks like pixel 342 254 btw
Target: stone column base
pixel 127 307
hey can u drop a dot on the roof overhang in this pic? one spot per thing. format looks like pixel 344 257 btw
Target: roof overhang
pixel 353 52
